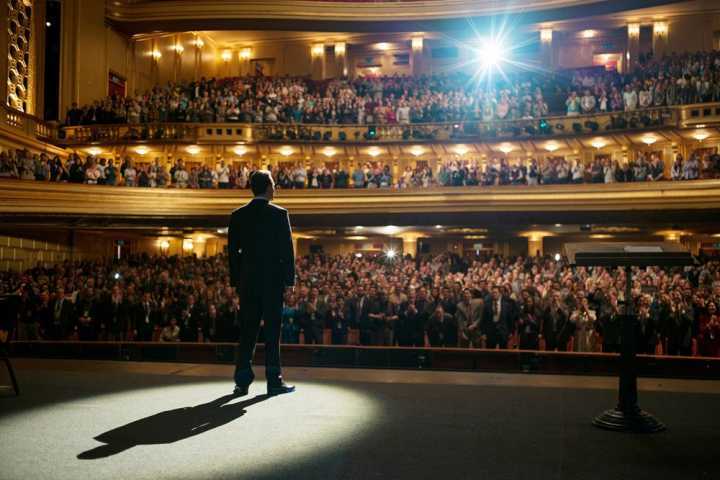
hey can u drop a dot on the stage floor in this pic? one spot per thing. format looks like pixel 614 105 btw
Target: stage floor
pixel 84 420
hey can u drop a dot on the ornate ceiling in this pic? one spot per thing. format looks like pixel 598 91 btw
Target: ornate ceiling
pixel 143 16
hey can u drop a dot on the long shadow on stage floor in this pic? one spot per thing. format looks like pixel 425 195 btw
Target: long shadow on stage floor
pixel 170 426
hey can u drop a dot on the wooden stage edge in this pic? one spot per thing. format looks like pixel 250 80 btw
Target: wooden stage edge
pixel 351 356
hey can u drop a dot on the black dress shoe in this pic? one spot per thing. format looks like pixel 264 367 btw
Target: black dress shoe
pixel 240 391
pixel 280 388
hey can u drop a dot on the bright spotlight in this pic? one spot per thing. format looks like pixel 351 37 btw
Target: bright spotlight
pixel 117 276
pixel 557 257
pixel 391 254
pixel 491 53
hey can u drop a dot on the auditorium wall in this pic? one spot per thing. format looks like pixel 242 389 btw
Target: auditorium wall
pixel 20 252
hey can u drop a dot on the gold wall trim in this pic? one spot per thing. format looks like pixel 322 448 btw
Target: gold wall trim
pixel 40 198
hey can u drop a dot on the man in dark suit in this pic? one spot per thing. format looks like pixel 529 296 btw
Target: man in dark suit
pixel 62 321
pixel 262 265
pixel 499 319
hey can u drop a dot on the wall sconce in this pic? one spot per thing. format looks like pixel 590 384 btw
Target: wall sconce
pixel 317 50
pixel 156 54
pixel 633 30
pixel 226 55
pixel 340 49
pixel 199 43
pixel 660 29
pixel 546 35
pixel 187 244
pixel 164 245
pixel 245 53
pixel 179 49
pixel 416 43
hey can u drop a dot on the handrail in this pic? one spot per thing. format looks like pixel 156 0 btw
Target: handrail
pixel 469 130
pixel 26 124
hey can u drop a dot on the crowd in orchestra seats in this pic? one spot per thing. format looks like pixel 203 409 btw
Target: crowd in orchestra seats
pixel 440 300
pixel 454 97
pixel 293 175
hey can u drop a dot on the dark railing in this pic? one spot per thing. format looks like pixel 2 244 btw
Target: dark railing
pixel 496 130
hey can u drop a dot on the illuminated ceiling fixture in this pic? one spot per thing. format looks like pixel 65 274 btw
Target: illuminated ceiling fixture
pixel 551 146
pixel 240 150
pixel 142 150
pixel 438 227
pixel 475 237
pixel 700 135
pixel 193 149
pixel 461 150
pixel 226 55
pixel 648 140
pixel 187 244
pixel 417 151
pixel 382 46
pixel 329 152
pixel 359 227
pixel 373 152
pixel 588 33
pixel 506 148
pixel 598 143
pixel 286 151
pixel 600 236
pixel 94 151
pixel 546 35
pixel 356 237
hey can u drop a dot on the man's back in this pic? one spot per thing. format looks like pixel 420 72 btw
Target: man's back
pixel 260 248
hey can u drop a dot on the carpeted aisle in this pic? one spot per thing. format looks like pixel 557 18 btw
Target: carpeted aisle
pixel 104 422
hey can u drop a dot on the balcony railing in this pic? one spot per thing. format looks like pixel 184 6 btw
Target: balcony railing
pixel 468 131
pixel 27 125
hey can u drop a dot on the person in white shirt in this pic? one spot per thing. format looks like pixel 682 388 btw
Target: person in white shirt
pixel 587 102
pixel 222 172
pixel 630 99
pixel 403 114
pixel 130 175
pixel 181 177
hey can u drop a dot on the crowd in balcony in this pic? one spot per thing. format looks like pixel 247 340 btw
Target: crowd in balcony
pixel 440 300
pixel 289 175
pixel 456 97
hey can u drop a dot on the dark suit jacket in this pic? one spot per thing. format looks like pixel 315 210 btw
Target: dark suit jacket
pixel 260 249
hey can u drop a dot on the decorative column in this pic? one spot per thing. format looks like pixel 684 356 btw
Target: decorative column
pixel 633 47
pixel 409 243
pixel 546 47
pixel 660 39
pixel 341 66
pixel 416 55
pixel 317 57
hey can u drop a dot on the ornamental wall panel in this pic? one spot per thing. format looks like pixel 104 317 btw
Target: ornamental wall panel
pixel 19 54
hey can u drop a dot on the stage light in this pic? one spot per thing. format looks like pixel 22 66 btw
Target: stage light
pixel 491 53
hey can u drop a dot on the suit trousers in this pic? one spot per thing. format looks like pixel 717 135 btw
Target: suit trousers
pixel 265 306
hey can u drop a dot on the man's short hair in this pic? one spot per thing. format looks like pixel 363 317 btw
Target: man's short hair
pixel 260 180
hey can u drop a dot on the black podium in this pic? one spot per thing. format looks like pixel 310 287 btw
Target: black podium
pixel 627 415
pixel 7 304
